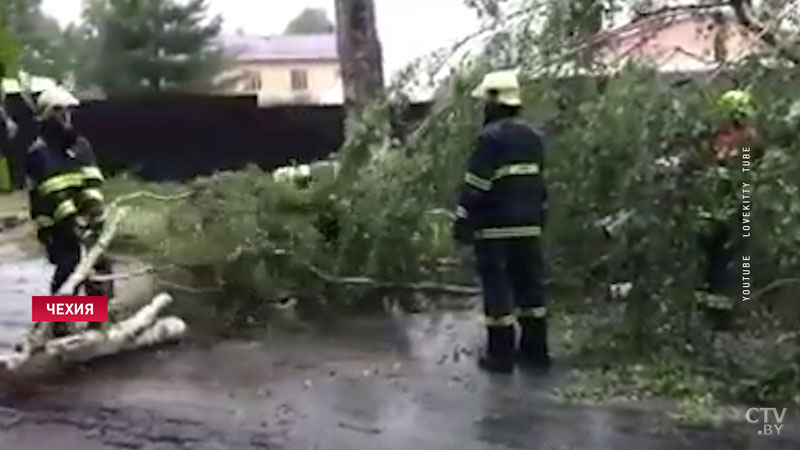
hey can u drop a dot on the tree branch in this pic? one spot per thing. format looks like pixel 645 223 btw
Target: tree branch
pixel 680 8
pixel 146 194
pixel 726 64
pixel 765 35
pixel 774 285
pixel 372 283
pixel 81 272
pixel 189 289
pixel 431 287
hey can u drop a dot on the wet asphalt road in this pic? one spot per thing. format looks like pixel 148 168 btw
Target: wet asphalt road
pixel 21 277
pixel 405 383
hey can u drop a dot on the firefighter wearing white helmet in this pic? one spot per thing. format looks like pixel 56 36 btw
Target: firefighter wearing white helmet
pixel 501 212
pixel 65 189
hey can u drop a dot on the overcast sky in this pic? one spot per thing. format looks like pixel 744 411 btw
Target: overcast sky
pixel 407 28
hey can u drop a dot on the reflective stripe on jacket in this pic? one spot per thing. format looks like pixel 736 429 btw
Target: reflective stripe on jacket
pixel 504 195
pixel 64 183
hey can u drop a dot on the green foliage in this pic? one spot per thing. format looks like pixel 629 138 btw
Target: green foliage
pixel 9 51
pixel 153 45
pixel 39 46
pixel 310 21
pixel 262 241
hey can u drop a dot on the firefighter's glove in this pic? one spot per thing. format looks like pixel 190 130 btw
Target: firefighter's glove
pixel 92 233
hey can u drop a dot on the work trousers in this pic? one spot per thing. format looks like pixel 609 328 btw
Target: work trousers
pixel 511 271
pixel 718 248
pixel 64 251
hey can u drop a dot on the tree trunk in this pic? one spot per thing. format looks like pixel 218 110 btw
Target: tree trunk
pixel 360 53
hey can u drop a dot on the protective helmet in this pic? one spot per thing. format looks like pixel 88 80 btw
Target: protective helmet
pixel 504 84
pixel 737 103
pixel 53 98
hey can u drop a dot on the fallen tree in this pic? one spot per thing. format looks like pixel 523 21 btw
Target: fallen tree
pixel 250 241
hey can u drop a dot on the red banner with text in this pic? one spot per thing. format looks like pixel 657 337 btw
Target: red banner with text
pixel 70 309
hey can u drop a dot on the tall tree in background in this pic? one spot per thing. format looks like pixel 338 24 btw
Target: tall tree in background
pixel 154 45
pixel 360 53
pixel 9 50
pixel 574 22
pixel 41 48
pixel 310 21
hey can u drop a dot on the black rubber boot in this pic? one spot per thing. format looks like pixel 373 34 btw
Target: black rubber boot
pixel 533 351
pixel 499 355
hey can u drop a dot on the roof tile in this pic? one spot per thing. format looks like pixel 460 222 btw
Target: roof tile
pixel 245 47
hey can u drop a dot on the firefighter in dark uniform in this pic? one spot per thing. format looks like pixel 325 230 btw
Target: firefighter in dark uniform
pixel 501 212
pixel 8 130
pixel 66 199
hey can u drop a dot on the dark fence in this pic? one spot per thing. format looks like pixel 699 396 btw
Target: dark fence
pixel 176 138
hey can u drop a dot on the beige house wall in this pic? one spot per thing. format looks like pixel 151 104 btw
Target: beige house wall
pixel 275 79
pixel 688 44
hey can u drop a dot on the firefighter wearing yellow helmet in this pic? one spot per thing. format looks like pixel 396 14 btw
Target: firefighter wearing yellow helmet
pixel 737 109
pixel 65 189
pixel 733 149
pixel 501 212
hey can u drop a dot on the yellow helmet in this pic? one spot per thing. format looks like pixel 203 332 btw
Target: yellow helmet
pixel 52 98
pixel 737 102
pixel 506 85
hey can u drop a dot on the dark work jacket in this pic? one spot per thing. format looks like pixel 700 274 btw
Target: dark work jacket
pixel 63 184
pixel 504 194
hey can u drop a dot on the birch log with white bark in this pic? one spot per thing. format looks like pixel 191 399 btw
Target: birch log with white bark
pixel 41 332
pixel 143 329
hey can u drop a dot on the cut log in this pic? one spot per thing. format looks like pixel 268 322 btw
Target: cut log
pixel 139 331
pixel 112 340
pixel 41 332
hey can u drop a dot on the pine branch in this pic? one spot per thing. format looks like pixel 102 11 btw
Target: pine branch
pixel 147 194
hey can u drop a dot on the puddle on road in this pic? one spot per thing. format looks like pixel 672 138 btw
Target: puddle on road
pixel 21 277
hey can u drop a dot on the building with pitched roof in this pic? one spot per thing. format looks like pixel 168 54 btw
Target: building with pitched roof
pixel 678 41
pixel 283 69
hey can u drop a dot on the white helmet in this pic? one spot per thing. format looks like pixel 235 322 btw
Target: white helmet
pixel 506 85
pixel 52 98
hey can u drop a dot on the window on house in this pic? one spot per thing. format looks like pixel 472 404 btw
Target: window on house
pixel 253 82
pixel 299 80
